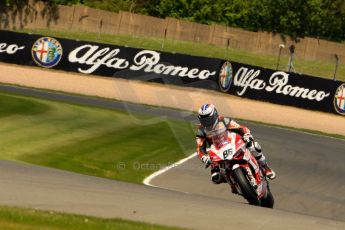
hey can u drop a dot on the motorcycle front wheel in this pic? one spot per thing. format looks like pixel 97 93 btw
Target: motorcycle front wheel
pixel 268 202
pixel 246 188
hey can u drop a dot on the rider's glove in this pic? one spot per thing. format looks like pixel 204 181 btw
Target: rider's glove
pixel 206 160
pixel 248 139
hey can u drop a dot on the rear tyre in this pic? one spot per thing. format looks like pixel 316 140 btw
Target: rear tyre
pixel 246 188
pixel 268 202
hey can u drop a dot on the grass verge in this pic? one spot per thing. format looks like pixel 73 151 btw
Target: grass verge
pixel 315 68
pixel 90 140
pixel 31 219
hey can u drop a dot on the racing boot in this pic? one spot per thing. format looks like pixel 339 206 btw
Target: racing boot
pixel 256 150
pixel 270 174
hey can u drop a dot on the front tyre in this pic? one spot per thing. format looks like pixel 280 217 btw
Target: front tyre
pixel 268 202
pixel 246 188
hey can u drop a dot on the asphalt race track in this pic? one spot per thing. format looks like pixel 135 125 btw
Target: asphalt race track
pixel 309 189
pixel 309 174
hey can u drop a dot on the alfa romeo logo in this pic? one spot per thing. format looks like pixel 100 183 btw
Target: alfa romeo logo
pixel 225 77
pixel 339 99
pixel 46 52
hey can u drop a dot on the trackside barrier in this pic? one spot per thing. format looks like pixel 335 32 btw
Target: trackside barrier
pixel 170 68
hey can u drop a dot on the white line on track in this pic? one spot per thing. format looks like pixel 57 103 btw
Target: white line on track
pixel 147 180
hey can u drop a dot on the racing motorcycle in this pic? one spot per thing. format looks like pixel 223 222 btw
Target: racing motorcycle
pixel 239 167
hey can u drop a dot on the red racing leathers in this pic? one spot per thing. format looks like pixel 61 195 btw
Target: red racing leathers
pixel 202 140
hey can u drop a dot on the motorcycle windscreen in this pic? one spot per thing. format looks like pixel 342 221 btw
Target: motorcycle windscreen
pixel 219 136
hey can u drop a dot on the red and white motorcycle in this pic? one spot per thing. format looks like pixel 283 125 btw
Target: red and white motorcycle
pixel 239 167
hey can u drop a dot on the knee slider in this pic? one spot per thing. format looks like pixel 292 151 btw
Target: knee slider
pixel 216 177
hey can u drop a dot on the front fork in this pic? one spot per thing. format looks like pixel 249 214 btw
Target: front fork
pixel 250 176
pixel 232 182
pixel 235 188
pixel 225 171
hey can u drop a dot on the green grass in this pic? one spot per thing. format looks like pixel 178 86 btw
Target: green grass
pixel 15 106
pixel 89 140
pixel 30 219
pixel 315 68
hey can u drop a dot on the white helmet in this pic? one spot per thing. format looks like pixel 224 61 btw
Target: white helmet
pixel 208 116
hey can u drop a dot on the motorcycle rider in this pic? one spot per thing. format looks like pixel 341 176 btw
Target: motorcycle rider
pixel 209 119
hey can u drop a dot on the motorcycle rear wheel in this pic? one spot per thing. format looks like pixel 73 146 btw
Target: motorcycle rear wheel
pixel 246 188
